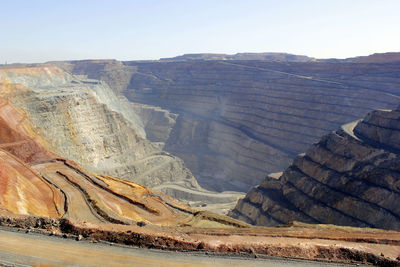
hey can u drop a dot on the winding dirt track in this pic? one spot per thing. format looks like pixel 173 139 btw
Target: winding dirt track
pixel 54 251
pixel 78 207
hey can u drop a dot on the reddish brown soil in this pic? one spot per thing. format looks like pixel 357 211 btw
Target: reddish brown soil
pixel 329 243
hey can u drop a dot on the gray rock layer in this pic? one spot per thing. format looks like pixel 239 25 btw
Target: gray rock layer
pixel 237 120
pixel 350 177
pixel 84 120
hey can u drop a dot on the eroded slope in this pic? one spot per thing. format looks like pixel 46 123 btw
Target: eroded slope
pixel 350 177
pixel 237 120
pixel 85 121
pixel 72 201
pixel 35 181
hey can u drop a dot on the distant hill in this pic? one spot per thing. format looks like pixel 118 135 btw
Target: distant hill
pixel 374 58
pixel 244 56
pixel 285 57
pixel 377 58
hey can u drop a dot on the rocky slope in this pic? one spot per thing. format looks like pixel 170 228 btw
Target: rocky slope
pixel 237 120
pixel 79 118
pixel 45 193
pixel 34 181
pixel 86 121
pixel 350 177
pixel 20 146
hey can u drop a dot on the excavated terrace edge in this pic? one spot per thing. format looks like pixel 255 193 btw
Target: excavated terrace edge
pixel 162 240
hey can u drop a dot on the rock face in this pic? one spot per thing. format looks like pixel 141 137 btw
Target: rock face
pixel 158 123
pixel 42 191
pixel 85 121
pixel 350 177
pixel 37 182
pixel 237 120
pixel 20 146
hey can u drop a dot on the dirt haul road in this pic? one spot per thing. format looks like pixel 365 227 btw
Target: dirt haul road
pixel 31 249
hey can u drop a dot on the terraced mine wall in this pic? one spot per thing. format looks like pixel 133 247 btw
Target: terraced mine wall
pixel 232 122
pixel 85 121
pixel 350 177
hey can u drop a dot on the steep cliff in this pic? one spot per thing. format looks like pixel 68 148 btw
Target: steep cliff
pixel 85 121
pixel 45 193
pixel 37 182
pixel 20 146
pixel 237 120
pixel 157 122
pixel 350 177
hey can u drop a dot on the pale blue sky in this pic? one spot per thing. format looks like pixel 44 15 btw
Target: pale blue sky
pixel 38 31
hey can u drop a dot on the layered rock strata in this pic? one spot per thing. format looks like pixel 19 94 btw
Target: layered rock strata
pixel 37 182
pixel 43 192
pixel 350 177
pixel 238 120
pixel 85 121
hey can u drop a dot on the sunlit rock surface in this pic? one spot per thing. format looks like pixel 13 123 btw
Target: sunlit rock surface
pixel 41 191
pixel 37 182
pixel 22 190
pixel 240 119
pixel 85 121
pixel 350 177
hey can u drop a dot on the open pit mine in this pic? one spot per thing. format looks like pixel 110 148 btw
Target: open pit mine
pixel 157 154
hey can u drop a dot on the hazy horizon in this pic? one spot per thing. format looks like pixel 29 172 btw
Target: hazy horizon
pixel 45 30
pixel 155 59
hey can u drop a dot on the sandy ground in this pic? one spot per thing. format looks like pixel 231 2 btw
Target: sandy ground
pixel 328 243
pixel 21 249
